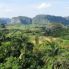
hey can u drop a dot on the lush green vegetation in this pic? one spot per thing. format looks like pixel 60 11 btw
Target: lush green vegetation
pixel 33 47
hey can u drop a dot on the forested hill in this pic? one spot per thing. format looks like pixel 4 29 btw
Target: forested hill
pixel 50 19
pixel 39 19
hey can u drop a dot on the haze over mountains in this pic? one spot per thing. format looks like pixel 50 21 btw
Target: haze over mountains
pixel 39 19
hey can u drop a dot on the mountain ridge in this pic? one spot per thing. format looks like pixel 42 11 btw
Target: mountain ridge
pixel 38 19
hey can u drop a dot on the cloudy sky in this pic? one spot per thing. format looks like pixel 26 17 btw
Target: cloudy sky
pixel 30 8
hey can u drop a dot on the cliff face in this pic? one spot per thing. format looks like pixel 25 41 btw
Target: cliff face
pixel 39 19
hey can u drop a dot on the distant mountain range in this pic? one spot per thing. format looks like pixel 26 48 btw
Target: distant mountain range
pixel 39 19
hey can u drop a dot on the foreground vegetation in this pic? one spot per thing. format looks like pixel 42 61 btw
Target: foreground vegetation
pixel 40 48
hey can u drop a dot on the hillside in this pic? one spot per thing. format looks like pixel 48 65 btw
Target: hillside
pixel 39 19
pixel 21 19
pixel 50 19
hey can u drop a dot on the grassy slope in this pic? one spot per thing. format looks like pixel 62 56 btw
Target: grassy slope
pixel 42 39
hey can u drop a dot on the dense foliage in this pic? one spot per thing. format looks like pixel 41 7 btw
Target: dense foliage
pixel 17 50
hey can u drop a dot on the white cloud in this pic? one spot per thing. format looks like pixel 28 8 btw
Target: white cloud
pixel 5 8
pixel 44 5
pixel 67 7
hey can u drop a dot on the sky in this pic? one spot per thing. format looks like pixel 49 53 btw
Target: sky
pixel 31 8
